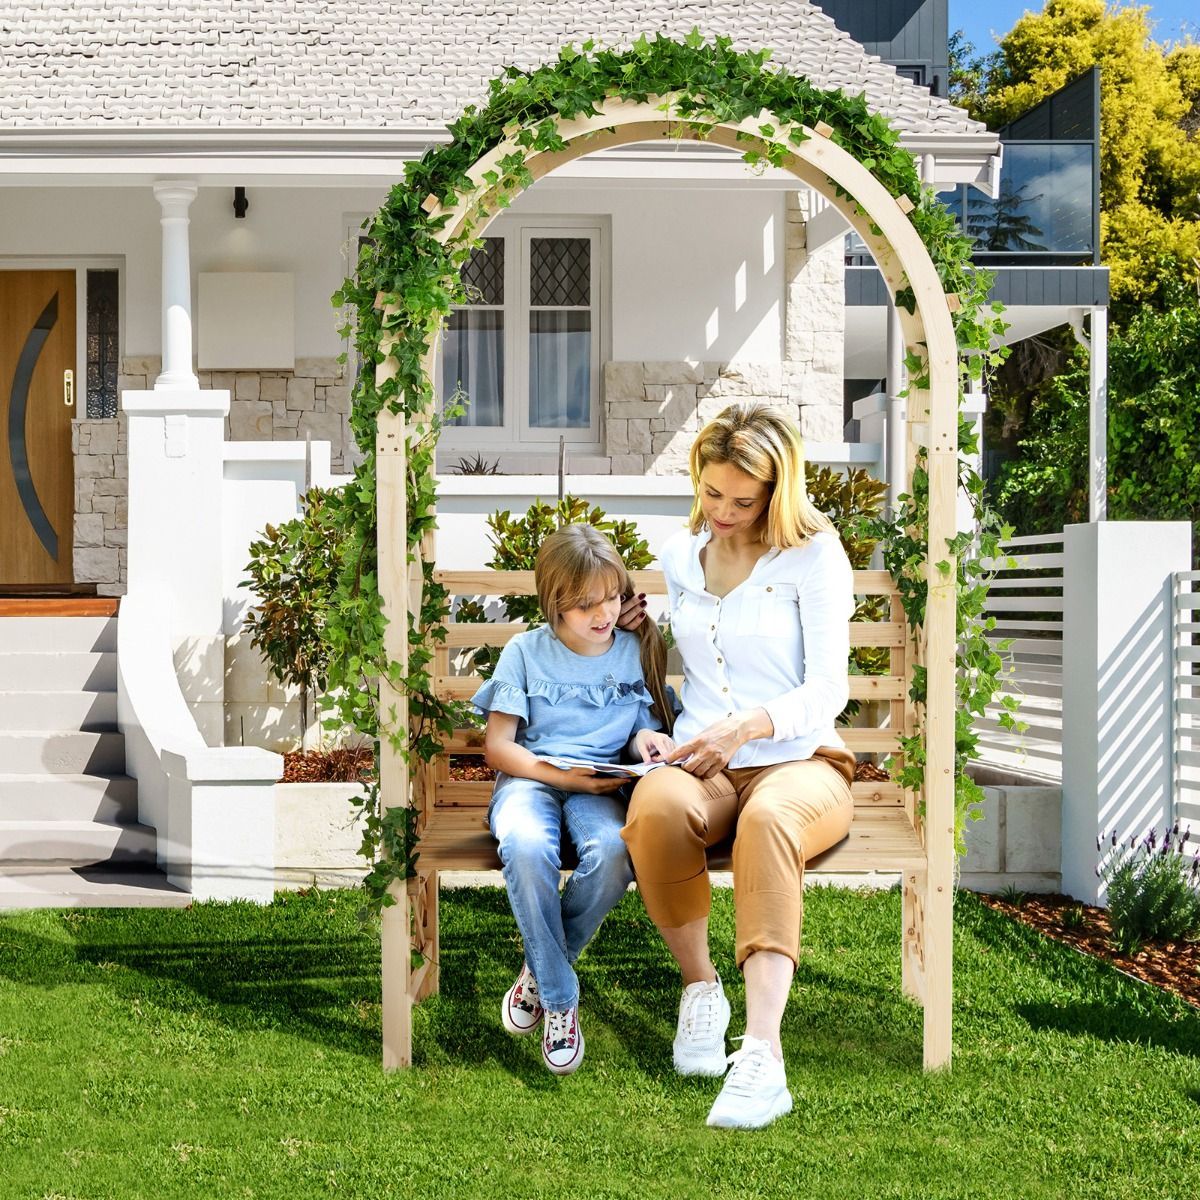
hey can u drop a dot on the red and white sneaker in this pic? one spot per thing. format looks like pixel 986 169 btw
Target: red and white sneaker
pixel 522 1010
pixel 562 1040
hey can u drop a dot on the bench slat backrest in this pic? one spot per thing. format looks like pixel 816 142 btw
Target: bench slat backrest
pixel 887 694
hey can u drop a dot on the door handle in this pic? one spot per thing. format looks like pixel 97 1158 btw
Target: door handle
pixel 69 388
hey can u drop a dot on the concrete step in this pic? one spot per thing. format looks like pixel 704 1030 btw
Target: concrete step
pixel 57 634
pixel 41 752
pixel 47 671
pixel 68 711
pixel 88 887
pixel 75 844
pixel 110 798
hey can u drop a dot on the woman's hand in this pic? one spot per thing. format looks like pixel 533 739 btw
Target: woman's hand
pixel 711 749
pixel 652 745
pixel 580 779
pixel 633 611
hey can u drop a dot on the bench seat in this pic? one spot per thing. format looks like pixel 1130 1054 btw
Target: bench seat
pixel 881 839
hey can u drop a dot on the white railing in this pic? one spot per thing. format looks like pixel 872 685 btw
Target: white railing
pixel 1026 601
pixel 1185 686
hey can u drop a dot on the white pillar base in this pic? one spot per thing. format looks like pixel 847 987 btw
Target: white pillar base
pixel 1117 687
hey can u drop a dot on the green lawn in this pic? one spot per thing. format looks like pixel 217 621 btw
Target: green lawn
pixel 233 1051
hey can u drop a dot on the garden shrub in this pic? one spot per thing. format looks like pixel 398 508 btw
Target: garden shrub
pixel 1152 890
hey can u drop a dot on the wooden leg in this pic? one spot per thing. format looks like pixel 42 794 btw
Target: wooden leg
pixel 939 961
pixel 912 940
pixel 425 925
pixel 396 936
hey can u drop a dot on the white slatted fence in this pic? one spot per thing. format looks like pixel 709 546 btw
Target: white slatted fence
pixel 1026 601
pixel 1186 694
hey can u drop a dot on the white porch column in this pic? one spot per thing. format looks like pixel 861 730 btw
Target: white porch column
pixel 175 197
pixel 1098 417
pixel 1117 687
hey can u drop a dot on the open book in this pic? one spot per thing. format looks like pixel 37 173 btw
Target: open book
pixel 629 770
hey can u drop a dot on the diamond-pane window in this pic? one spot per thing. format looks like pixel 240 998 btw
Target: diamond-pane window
pixel 103 343
pixel 484 273
pixel 560 272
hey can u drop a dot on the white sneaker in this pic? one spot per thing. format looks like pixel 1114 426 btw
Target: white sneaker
pixel 521 1009
pixel 755 1090
pixel 562 1040
pixel 699 1047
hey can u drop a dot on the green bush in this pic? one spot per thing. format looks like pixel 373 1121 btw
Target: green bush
pixel 515 545
pixel 1152 894
pixel 292 569
pixel 852 502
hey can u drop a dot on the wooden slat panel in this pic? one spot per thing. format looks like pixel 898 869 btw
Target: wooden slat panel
pixel 862 687
pixel 1026 562
pixel 1032 604
pixel 870 741
pixel 469 793
pixel 1026 583
pixel 494 633
pixel 520 583
pixel 881 838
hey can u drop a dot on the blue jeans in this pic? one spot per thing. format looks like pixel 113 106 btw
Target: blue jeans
pixel 526 819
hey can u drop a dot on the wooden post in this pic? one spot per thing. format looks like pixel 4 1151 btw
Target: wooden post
pixel 392 525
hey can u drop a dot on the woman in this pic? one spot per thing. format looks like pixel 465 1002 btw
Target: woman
pixel 760 596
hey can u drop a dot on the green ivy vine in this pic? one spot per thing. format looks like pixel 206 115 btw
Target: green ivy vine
pixel 418 277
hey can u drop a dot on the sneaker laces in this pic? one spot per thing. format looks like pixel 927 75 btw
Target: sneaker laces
pixel 700 1008
pixel 527 993
pixel 560 1029
pixel 747 1067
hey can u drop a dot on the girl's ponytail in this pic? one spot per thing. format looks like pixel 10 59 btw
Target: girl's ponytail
pixel 653 650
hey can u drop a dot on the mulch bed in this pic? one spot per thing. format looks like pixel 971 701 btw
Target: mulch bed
pixel 328 766
pixel 1174 966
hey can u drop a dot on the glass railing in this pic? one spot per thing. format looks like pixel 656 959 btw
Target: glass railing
pixel 1046 210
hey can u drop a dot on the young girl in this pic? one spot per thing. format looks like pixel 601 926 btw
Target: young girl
pixel 576 687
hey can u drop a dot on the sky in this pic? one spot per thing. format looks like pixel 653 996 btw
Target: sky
pixel 984 23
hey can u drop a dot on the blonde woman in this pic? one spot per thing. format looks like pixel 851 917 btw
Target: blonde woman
pixel 576 687
pixel 760 596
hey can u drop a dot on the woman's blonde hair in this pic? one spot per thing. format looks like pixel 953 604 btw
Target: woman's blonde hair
pixel 765 445
pixel 575 562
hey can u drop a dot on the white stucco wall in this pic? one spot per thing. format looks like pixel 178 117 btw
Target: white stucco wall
pixel 300 231
pixel 696 273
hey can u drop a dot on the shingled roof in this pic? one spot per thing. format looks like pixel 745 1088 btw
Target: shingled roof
pixel 318 65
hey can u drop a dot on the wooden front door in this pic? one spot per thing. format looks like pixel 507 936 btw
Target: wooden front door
pixel 37 403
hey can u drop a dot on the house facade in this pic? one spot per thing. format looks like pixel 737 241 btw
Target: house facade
pixel 615 307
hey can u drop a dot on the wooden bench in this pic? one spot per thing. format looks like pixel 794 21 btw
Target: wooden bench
pixel 886 833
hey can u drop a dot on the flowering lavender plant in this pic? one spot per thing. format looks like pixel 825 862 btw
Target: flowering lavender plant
pixel 1153 887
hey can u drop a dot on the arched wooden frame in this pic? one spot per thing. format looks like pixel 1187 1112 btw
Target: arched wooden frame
pixel 882 222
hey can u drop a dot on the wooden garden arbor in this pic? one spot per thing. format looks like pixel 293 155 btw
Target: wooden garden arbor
pixel 882 222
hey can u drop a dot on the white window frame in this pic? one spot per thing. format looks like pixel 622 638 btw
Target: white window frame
pixel 517 434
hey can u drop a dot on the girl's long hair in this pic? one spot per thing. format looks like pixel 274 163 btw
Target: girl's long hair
pixel 766 445
pixel 575 562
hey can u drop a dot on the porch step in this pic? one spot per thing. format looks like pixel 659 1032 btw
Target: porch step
pixel 86 711
pixel 42 752
pixel 107 798
pixel 75 844
pixel 57 634
pixel 88 887
pixel 26 671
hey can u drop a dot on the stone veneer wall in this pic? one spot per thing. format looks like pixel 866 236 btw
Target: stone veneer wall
pixel 654 409
pixel 101 504
pixel 282 406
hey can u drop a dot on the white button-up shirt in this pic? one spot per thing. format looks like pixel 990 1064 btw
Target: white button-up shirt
pixel 779 640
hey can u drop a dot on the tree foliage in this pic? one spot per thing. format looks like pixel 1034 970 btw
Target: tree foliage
pixel 1149 112
pixel 1153 431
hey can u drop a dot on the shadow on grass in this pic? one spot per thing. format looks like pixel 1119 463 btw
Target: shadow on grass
pixel 1111 1006
pixel 315 986
pixel 1114 1022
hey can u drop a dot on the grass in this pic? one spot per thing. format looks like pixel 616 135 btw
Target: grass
pixel 232 1051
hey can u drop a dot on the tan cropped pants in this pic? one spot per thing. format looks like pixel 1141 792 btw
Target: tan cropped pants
pixel 780 816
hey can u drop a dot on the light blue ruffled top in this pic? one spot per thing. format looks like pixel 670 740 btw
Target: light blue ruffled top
pixel 576 705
